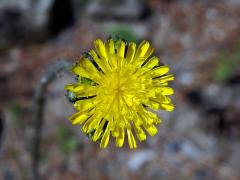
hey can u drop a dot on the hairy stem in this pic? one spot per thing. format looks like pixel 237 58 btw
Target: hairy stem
pixel 39 104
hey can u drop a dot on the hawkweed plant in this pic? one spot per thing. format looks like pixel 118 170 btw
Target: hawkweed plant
pixel 119 87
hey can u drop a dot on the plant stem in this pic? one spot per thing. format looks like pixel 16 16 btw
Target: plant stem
pixel 39 104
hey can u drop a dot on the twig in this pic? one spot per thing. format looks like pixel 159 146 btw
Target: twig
pixel 39 104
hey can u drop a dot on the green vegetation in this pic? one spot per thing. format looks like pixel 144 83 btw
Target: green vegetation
pixel 16 110
pixel 67 142
pixel 123 32
pixel 228 64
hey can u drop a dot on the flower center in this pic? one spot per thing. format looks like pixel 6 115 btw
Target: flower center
pixel 122 89
pixel 114 84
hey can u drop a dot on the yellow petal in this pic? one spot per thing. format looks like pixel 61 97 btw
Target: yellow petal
pixel 142 49
pixel 169 77
pixel 105 139
pixel 139 132
pixel 91 123
pixel 111 53
pixel 110 47
pixel 131 140
pixel 86 127
pixel 130 52
pixel 153 105
pixel 152 63
pixel 161 90
pixel 146 116
pixel 102 63
pixel 88 65
pixel 167 91
pixel 99 130
pixel 99 45
pixel 167 107
pixel 143 52
pixel 85 73
pixel 70 87
pixel 120 138
pixel 82 90
pixel 159 71
pixel 115 131
pixel 79 118
pixel 121 49
pixel 85 104
pixel 163 80
pixel 161 99
pixel 152 130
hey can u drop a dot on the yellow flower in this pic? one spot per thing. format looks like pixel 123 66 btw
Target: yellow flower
pixel 119 89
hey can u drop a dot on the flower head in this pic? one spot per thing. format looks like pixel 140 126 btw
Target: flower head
pixel 119 87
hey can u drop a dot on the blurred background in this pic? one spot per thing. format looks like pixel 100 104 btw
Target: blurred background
pixel 199 40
